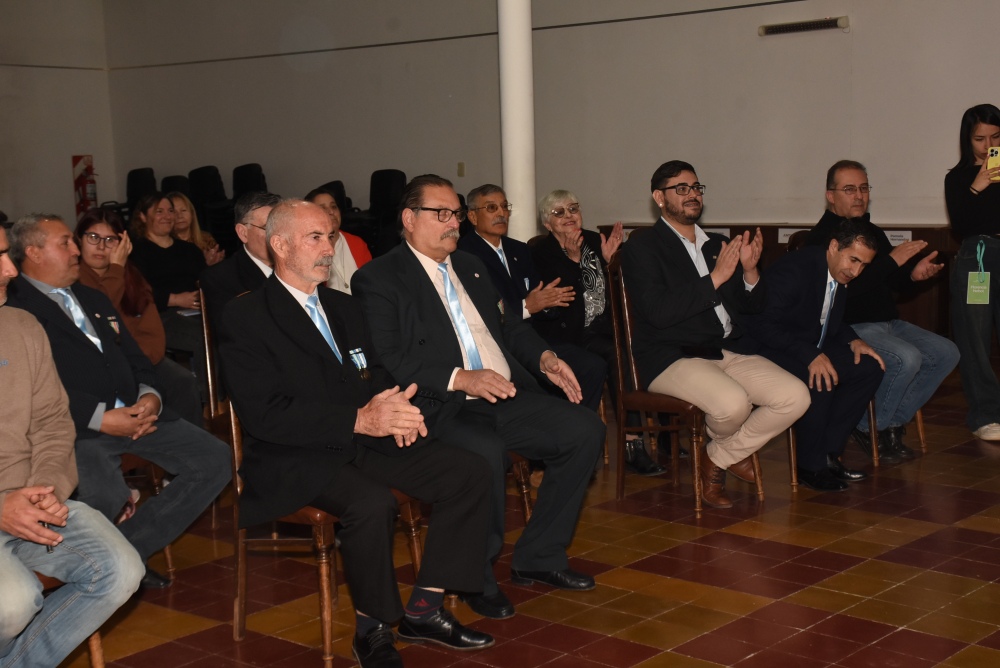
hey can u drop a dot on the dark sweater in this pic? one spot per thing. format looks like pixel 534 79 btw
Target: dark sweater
pixel 971 214
pixel 869 296
pixel 170 270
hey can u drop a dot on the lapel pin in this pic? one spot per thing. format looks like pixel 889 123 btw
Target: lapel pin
pixel 476 275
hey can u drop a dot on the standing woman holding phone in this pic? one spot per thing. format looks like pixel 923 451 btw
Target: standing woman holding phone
pixel 973 199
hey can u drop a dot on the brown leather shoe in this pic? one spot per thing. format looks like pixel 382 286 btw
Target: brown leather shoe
pixel 744 471
pixel 713 483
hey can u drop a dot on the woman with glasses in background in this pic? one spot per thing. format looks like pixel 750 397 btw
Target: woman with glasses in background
pixel 579 257
pixel 104 266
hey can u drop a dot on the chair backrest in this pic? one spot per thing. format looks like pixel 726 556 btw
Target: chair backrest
pixel 621 318
pixel 178 183
pixel 248 178
pixel 339 194
pixel 385 191
pixel 139 182
pixel 797 240
pixel 206 185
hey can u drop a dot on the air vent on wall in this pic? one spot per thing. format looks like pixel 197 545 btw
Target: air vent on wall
pixel 840 22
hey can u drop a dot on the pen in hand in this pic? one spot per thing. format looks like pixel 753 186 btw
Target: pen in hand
pixel 48 548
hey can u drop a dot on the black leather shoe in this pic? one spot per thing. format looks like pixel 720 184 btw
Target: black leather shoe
pixel 893 437
pixel 821 481
pixel 376 649
pixel 564 579
pixel 494 606
pixel 153 580
pixel 638 460
pixel 841 472
pixel 885 455
pixel 442 628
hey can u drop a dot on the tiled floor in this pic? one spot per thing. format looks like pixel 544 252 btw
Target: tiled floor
pixel 901 570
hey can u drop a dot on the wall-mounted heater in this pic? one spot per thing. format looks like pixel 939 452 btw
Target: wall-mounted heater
pixel 836 22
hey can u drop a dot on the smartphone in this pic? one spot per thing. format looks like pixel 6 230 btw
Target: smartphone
pixel 993 160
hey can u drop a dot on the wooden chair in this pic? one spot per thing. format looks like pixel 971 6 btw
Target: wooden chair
pixel 136 468
pixel 322 541
pixel 651 403
pixel 94 646
pixel 522 477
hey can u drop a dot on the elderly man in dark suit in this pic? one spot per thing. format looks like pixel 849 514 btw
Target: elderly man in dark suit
pixel 513 273
pixel 802 330
pixel 115 408
pixel 248 267
pixel 437 321
pixel 327 426
pixel 692 292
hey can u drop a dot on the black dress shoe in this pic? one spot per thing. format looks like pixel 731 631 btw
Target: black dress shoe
pixel 639 461
pixel 894 440
pixel 153 580
pixel 494 606
pixel 564 579
pixel 442 628
pixel 376 649
pixel 841 472
pixel 821 481
pixel 885 455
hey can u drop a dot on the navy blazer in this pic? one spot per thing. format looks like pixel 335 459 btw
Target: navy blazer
pixel 788 329
pixel 414 335
pixel 297 403
pixel 674 308
pixel 516 285
pixel 221 282
pixel 89 375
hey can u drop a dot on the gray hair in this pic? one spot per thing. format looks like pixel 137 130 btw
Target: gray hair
pixel 546 203
pixel 278 219
pixel 26 232
pixel 485 190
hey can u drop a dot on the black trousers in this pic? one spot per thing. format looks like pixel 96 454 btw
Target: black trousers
pixel 567 437
pixel 825 427
pixel 454 482
pixel 590 370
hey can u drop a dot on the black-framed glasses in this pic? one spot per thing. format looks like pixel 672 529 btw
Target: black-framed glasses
pixel 683 189
pixel 95 239
pixel 851 191
pixel 443 215
pixel 493 207
pixel 259 227
pixel 561 211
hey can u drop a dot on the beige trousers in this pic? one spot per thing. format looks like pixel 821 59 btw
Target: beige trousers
pixel 727 390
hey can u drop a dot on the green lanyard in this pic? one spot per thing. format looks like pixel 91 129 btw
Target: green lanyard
pixel 980 251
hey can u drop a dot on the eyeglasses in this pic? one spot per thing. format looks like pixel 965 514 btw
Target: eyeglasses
pixel 443 215
pixel 853 190
pixel 259 227
pixel 683 188
pixel 95 239
pixel 572 210
pixel 493 207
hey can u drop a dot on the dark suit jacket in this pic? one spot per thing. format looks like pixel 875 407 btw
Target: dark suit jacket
pixel 223 281
pixel 414 336
pixel 788 329
pixel 516 285
pixel 674 308
pixel 89 375
pixel 298 404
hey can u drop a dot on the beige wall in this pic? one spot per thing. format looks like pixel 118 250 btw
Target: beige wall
pixel 316 90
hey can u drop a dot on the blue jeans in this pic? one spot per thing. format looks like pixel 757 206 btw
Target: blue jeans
pixel 973 327
pixel 916 361
pixel 200 464
pixel 100 569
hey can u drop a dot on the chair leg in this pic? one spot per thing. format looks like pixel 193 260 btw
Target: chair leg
pixel 409 515
pixel 793 464
pixel 523 479
pixel 697 439
pixel 920 430
pixel 675 457
pixel 240 599
pixel 758 476
pixel 322 540
pixel 873 432
pixel 620 462
pixel 603 412
pixel 96 650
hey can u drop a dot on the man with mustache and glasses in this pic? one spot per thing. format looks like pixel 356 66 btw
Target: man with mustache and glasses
pixel 438 321
pixel 691 292
pixel 514 276
pixel 327 426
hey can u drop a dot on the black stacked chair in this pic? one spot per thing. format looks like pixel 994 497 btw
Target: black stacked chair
pixel 215 210
pixel 383 202
pixel 248 178
pixel 176 184
pixel 139 182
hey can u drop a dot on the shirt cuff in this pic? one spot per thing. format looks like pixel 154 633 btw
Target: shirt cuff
pixel 98 417
pixel 524 310
pixel 147 389
pixel 451 381
pixel 748 286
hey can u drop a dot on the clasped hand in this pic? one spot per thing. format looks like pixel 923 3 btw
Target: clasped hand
pixel 390 413
pixel 133 421
pixel 26 508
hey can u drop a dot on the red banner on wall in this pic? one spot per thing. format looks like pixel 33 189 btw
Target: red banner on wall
pixel 84 184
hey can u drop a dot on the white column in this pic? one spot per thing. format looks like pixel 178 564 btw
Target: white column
pixel 517 114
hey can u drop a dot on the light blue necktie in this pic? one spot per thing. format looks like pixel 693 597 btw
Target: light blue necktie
pixel 457 317
pixel 79 319
pixel 826 320
pixel 503 259
pixel 312 307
